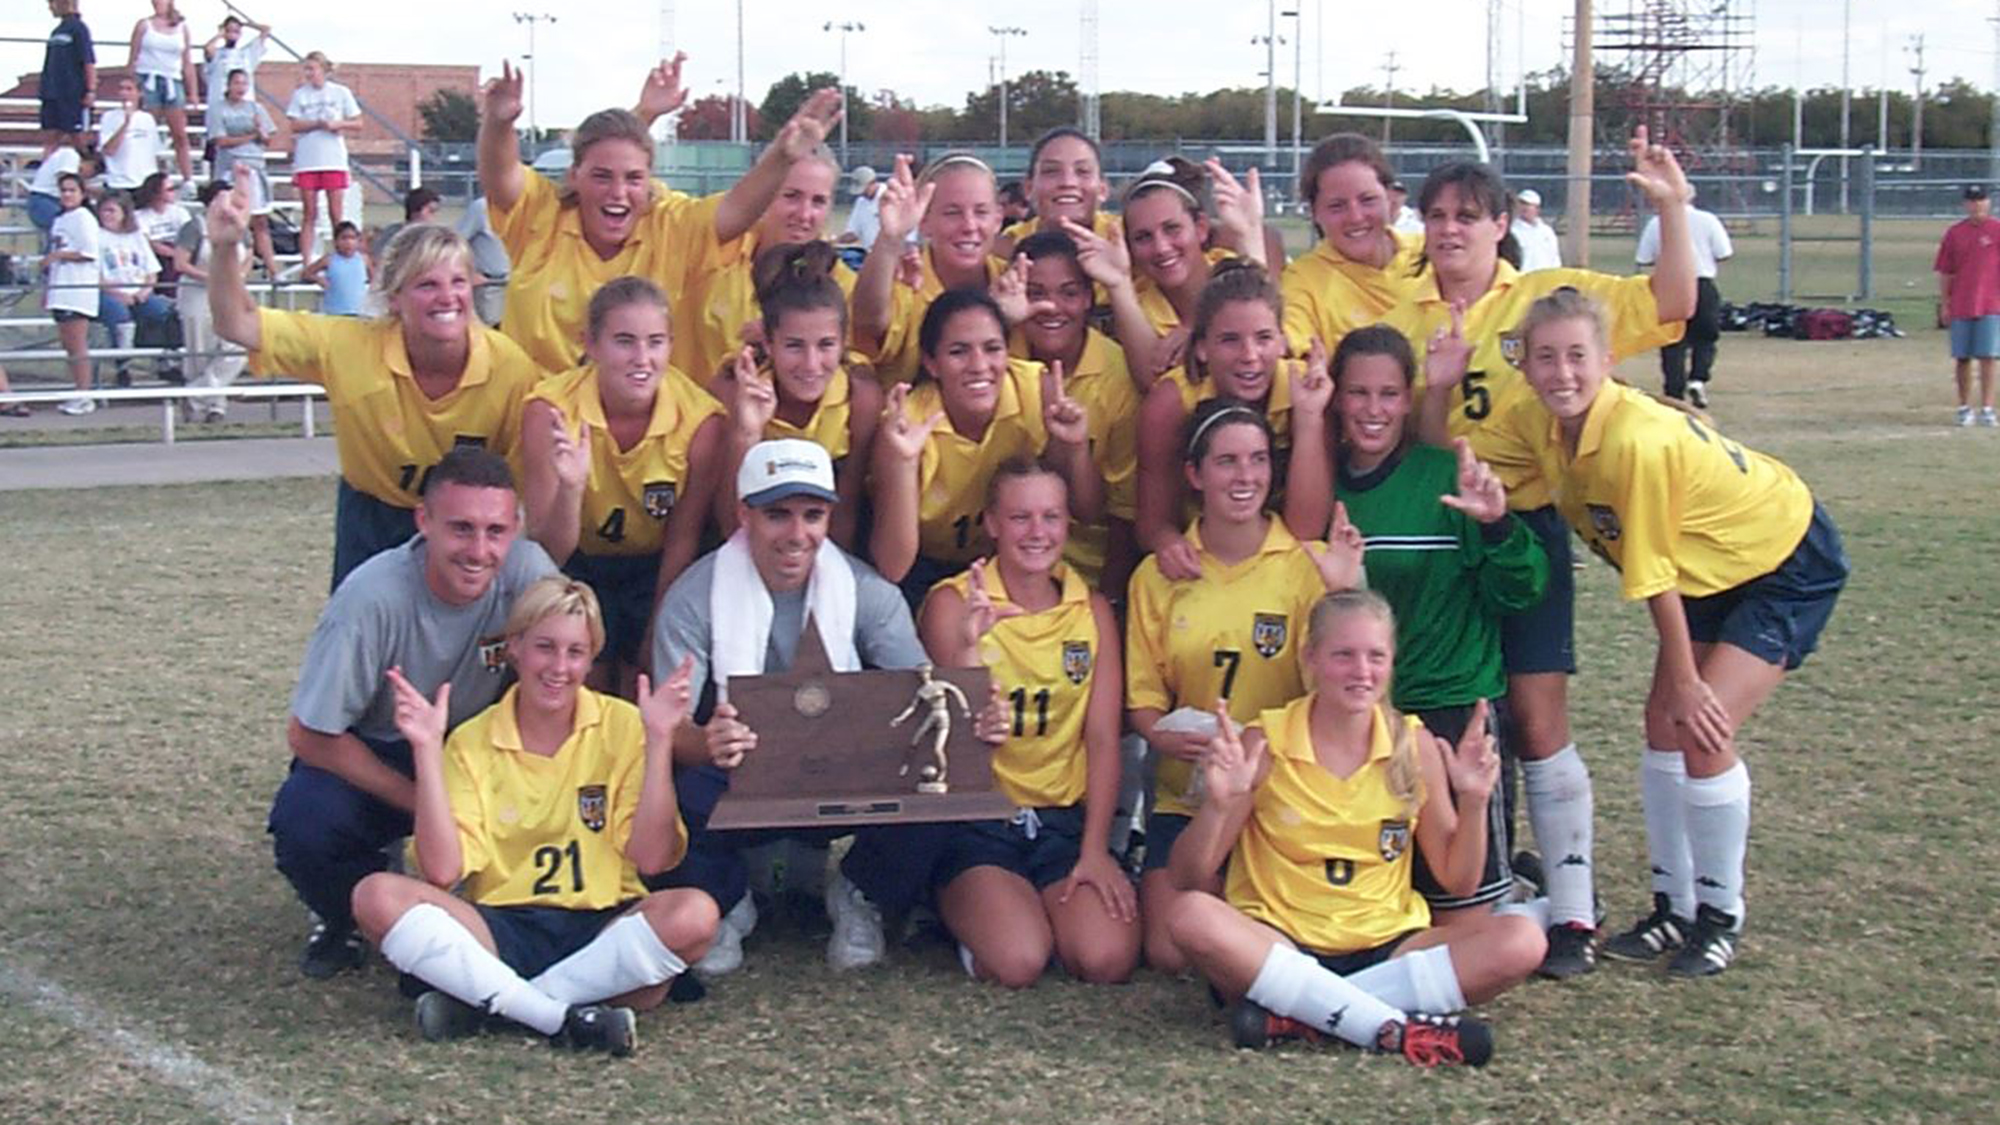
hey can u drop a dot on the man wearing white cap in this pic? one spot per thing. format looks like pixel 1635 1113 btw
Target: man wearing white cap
pixel 1539 248
pixel 863 218
pixel 740 611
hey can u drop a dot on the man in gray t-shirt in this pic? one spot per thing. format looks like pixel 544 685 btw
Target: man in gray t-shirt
pixel 435 607
pixel 786 495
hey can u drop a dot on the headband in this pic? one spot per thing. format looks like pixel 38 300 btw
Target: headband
pixel 944 162
pixel 1159 174
pixel 1209 422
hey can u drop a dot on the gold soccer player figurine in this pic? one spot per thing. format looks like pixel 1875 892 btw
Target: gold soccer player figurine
pixel 937 696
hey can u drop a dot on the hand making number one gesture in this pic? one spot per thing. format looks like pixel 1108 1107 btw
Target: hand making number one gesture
pixel 1340 564
pixel 420 721
pixel 1229 769
pixel 1480 493
pixel 1065 418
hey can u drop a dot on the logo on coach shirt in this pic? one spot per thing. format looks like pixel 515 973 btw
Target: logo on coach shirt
pixel 1076 661
pixel 1267 632
pixel 590 806
pixel 493 654
pixel 1394 839
pixel 1604 521
pixel 659 498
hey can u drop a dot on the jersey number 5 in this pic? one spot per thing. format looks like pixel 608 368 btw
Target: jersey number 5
pixel 549 864
pixel 1478 399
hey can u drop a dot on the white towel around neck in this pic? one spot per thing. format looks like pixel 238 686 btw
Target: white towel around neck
pixel 739 611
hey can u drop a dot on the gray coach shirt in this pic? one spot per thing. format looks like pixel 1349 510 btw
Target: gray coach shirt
pixel 884 634
pixel 383 616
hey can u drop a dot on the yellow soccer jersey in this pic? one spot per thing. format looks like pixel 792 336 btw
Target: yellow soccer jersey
pixel 896 361
pixel 1233 633
pixel 387 432
pixel 717 298
pixel 1325 859
pixel 1277 410
pixel 1670 502
pixel 1103 384
pixel 631 492
pixel 1328 295
pixel 954 470
pixel 552 831
pixel 1044 664
pixel 556 272
pixel 829 425
pixel 1493 385
pixel 1103 224
pixel 1154 303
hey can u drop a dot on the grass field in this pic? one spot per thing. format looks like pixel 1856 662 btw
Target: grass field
pixel 146 945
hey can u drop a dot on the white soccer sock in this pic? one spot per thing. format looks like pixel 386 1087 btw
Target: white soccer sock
pixel 1294 985
pixel 1424 981
pixel 623 956
pixel 431 945
pixel 1718 826
pixel 1535 910
pixel 1662 774
pixel 1560 807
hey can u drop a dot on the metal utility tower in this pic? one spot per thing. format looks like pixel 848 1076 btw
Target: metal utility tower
pixel 845 27
pixel 1917 71
pixel 535 60
pixel 1683 65
pixel 1090 114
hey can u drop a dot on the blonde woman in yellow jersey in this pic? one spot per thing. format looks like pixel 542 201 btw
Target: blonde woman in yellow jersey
pixel 1057 333
pixel 545 811
pixel 1467 301
pixel 405 388
pixel 717 312
pixel 1238 352
pixel 1739 568
pixel 1015 892
pixel 1066 184
pixel 610 219
pixel 620 461
pixel 941 440
pixel 1230 635
pixel 803 388
pixel 955 207
pixel 1315 808
pixel 1154 276
pixel 1361 267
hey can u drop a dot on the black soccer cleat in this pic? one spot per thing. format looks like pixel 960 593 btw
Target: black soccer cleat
pixel 329 954
pixel 1572 952
pixel 1711 947
pixel 599 1027
pixel 1437 1040
pixel 1253 1027
pixel 1657 933
pixel 441 1017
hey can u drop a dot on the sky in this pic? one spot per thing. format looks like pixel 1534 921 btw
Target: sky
pixel 594 54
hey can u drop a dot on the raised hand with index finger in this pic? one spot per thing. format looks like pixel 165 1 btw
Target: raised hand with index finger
pixel 1480 493
pixel 1065 418
pixel 1341 563
pixel 419 720
pixel 901 435
pixel 1229 769
pixel 500 99
pixel 662 92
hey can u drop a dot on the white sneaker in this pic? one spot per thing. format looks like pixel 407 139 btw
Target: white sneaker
pixel 1698 394
pixel 857 940
pixel 1964 414
pixel 725 953
pixel 87 405
pixel 1988 418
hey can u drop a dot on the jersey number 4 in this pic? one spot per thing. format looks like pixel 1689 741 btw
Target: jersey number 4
pixel 1734 450
pixel 612 530
pixel 549 861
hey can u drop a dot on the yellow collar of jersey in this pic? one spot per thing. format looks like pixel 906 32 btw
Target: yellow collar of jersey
pixel 478 355
pixel 1102 223
pixel 1609 398
pixel 930 397
pixel 1426 293
pixel 1277 538
pixel 506 727
pixel 666 403
pixel 1277 405
pixel 1074 588
pixel 1090 363
pixel 1299 744
pixel 932 285
pixel 1408 246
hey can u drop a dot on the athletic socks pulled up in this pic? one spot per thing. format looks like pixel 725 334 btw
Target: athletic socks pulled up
pixel 1424 981
pixel 431 945
pixel 624 955
pixel 1718 828
pixel 1662 779
pixel 1561 807
pixel 1295 986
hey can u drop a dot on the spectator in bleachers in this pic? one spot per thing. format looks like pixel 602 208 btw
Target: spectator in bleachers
pixel 71 297
pixel 69 77
pixel 211 362
pixel 420 205
pixel 128 269
pixel 163 58
pixel 160 217
pixel 322 112
pixel 239 129
pixel 129 138
pixel 344 274
pixel 229 52
pixel 75 156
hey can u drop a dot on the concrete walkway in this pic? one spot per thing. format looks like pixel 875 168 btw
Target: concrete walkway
pixel 154 462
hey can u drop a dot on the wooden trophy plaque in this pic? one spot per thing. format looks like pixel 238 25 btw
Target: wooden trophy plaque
pixel 827 753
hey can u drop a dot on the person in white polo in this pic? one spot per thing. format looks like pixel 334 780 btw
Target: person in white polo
pixel 1711 248
pixel 1540 249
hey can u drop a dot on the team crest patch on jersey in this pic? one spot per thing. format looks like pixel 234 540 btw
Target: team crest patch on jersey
pixel 1510 349
pixel 1394 839
pixel 1604 521
pixel 590 806
pixel 1076 661
pixel 1267 632
pixel 659 498
pixel 493 653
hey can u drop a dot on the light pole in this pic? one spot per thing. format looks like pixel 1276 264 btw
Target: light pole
pixel 1002 33
pixel 531 19
pixel 844 27
pixel 1298 18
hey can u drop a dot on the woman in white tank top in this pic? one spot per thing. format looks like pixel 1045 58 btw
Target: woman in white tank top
pixel 163 62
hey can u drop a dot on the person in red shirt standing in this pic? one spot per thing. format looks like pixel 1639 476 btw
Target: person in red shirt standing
pixel 1968 269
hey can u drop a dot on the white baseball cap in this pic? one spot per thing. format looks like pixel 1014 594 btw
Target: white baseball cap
pixel 1530 196
pixel 787 467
